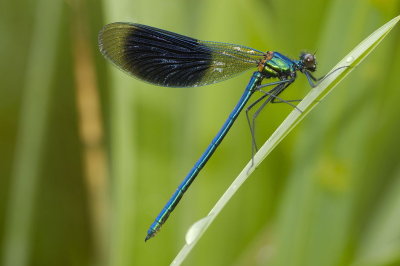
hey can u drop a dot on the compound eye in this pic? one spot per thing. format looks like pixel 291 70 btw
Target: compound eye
pixel 309 62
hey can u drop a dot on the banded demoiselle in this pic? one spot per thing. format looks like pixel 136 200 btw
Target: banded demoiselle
pixel 169 59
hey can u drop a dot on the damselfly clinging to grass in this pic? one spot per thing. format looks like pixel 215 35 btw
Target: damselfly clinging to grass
pixel 172 60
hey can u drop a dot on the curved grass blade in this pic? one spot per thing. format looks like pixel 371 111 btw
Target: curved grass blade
pixel 341 70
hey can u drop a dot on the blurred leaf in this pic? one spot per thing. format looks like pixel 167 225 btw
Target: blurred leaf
pixel 380 244
pixel 33 122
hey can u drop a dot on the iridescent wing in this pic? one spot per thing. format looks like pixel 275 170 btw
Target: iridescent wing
pixel 168 59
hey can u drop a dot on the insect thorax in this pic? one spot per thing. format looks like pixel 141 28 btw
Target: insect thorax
pixel 278 66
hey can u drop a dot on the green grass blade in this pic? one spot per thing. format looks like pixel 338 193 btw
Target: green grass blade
pixel 381 243
pixel 31 133
pixel 351 60
pixel 123 152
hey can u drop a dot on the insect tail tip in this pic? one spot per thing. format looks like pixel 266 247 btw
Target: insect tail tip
pixel 150 234
pixel 147 238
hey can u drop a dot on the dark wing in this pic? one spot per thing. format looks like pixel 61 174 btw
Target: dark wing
pixel 173 60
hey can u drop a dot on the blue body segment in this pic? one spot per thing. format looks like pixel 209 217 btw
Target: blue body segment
pixel 174 200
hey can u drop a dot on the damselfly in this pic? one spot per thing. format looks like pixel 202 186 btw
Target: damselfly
pixel 172 60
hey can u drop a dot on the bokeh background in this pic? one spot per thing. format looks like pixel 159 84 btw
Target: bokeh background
pixel 89 155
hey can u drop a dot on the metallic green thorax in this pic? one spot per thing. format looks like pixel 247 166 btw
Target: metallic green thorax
pixel 280 66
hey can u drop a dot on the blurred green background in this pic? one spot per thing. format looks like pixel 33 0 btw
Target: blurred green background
pixel 89 155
